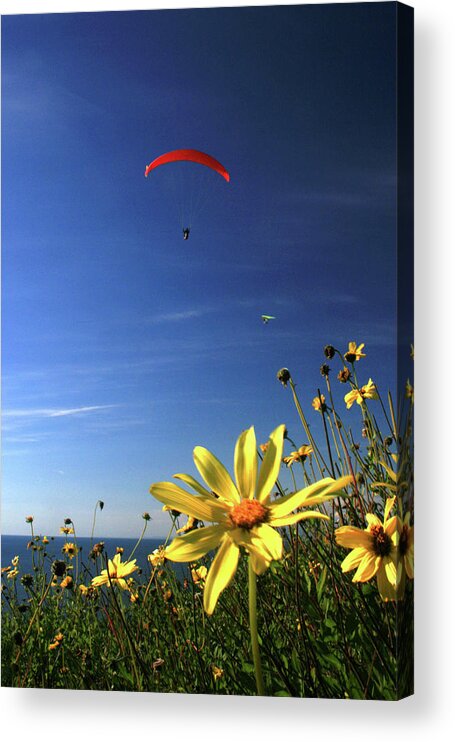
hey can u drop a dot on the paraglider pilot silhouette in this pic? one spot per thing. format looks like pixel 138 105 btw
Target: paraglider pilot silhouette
pixel 189 155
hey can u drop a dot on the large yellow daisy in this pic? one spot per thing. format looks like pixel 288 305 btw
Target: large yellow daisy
pixel 243 514
pixel 374 551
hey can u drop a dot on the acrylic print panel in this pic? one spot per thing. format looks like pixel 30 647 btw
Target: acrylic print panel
pixel 208 394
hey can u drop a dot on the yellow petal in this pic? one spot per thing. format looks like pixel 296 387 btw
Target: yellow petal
pixel 324 489
pixel 353 559
pixel 246 463
pixel 289 520
pixel 259 562
pixel 215 474
pixel 221 572
pixel 271 540
pixel 198 506
pixel 387 591
pixel 270 466
pixel 192 482
pixel 390 502
pixel 351 537
pixel 367 567
pixel 195 544
pixel 390 570
pixel 373 520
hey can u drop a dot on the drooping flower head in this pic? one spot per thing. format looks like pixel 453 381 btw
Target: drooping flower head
pixel 299 455
pixel 243 513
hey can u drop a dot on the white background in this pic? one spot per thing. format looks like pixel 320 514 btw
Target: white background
pixel 31 714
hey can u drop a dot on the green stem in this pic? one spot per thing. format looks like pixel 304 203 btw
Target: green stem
pixel 252 592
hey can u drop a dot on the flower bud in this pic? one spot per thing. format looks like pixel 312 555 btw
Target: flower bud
pixel 329 351
pixel 283 376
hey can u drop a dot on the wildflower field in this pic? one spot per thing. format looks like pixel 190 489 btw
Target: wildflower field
pixel 295 576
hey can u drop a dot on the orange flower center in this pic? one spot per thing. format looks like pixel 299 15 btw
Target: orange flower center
pixel 382 542
pixel 247 514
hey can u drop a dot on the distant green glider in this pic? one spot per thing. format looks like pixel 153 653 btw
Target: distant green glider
pixel 266 318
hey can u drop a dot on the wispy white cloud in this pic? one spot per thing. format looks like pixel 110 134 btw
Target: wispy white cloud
pixel 49 412
pixel 177 316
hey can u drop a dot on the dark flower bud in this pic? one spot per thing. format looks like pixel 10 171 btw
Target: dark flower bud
pixel 101 504
pixel 146 516
pixel 388 441
pixel 283 376
pixel 29 519
pixel 344 375
pixel 27 580
pixel 329 351
pixel 67 521
pixel 58 568
pixel 325 369
pixel 175 513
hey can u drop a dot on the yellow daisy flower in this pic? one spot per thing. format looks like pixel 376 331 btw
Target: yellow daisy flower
pixel 199 574
pixel 374 551
pixel 118 570
pixel 318 404
pixel 359 395
pixel 299 455
pixel 70 550
pixel 66 530
pixel 354 352
pixel 157 557
pixel 243 513
pixel 405 547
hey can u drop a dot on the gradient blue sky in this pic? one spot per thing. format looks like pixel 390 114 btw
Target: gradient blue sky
pixel 123 345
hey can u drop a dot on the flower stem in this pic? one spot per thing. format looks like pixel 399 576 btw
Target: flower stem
pixel 254 629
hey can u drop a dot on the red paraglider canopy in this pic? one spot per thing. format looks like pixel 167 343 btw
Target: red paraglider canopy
pixel 191 155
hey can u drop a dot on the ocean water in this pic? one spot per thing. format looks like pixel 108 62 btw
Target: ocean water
pixel 12 546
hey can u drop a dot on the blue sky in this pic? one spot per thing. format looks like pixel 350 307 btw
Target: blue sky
pixel 123 345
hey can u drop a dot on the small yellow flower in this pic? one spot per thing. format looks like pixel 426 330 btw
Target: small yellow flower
pixel 360 395
pixel 217 672
pixel 264 447
pixel 67 583
pixel 70 550
pixel 45 540
pixel 354 352
pixel 243 514
pixel 409 391
pixel 318 404
pixel 118 570
pixel 199 574
pixel 119 550
pixel 374 551
pixel 58 639
pixel 157 557
pixel 66 530
pixel 190 525
pixel 12 574
pixel 15 561
pixel 299 455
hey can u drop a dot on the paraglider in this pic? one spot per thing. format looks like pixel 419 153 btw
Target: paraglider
pixel 189 155
pixel 266 318
pixel 189 201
